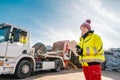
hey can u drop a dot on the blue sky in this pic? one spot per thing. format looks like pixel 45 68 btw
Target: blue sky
pixel 53 20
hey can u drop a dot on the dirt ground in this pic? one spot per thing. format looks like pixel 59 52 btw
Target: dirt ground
pixel 74 75
pixel 65 75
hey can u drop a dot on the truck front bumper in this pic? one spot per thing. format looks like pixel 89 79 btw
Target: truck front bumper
pixel 1 70
pixel 6 70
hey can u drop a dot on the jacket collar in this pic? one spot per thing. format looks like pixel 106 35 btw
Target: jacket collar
pixel 86 34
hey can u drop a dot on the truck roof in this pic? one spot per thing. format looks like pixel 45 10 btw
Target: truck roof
pixel 10 25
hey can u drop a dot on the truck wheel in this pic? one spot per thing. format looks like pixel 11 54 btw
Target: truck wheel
pixel 24 69
pixel 57 65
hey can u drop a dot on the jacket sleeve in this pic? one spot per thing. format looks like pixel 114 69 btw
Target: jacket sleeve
pixel 98 43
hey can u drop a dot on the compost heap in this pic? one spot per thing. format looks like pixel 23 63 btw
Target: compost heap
pixel 112 62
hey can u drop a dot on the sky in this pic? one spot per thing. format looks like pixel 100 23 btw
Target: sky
pixel 54 20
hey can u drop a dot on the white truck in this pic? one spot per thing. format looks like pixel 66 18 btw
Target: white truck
pixel 19 59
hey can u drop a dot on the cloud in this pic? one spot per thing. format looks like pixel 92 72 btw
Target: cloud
pixel 48 34
pixel 97 5
pixel 51 35
pixel 71 15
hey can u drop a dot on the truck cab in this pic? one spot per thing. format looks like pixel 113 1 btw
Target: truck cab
pixel 16 56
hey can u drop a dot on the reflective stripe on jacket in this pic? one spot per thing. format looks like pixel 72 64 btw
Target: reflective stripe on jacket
pixel 92 49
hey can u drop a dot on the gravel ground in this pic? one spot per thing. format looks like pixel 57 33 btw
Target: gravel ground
pixel 64 75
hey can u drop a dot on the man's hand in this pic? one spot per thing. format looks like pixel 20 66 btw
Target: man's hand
pixel 79 50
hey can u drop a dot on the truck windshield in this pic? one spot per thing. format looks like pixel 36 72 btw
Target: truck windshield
pixel 4 33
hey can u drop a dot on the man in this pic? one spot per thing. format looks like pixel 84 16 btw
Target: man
pixel 90 52
pixel 23 38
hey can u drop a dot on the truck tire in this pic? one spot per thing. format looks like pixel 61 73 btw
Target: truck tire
pixel 58 65
pixel 23 69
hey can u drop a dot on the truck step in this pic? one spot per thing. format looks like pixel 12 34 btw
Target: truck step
pixel 39 64
pixel 38 69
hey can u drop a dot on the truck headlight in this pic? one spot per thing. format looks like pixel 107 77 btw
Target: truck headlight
pixel 1 63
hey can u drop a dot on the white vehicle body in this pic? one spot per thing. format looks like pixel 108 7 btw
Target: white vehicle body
pixel 18 58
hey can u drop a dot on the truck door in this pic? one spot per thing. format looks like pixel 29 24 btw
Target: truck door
pixel 17 47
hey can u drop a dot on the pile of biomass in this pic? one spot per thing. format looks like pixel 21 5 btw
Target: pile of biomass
pixel 112 62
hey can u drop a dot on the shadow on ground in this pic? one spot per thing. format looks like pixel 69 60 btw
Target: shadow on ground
pixel 106 75
pixel 39 74
pixel 111 74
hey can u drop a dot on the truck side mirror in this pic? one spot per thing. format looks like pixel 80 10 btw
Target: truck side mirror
pixel 11 39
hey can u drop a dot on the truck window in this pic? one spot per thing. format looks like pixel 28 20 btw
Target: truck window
pixel 4 34
pixel 19 35
pixel 16 34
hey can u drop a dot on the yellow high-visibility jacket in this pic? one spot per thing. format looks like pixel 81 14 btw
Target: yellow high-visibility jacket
pixel 23 39
pixel 92 49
